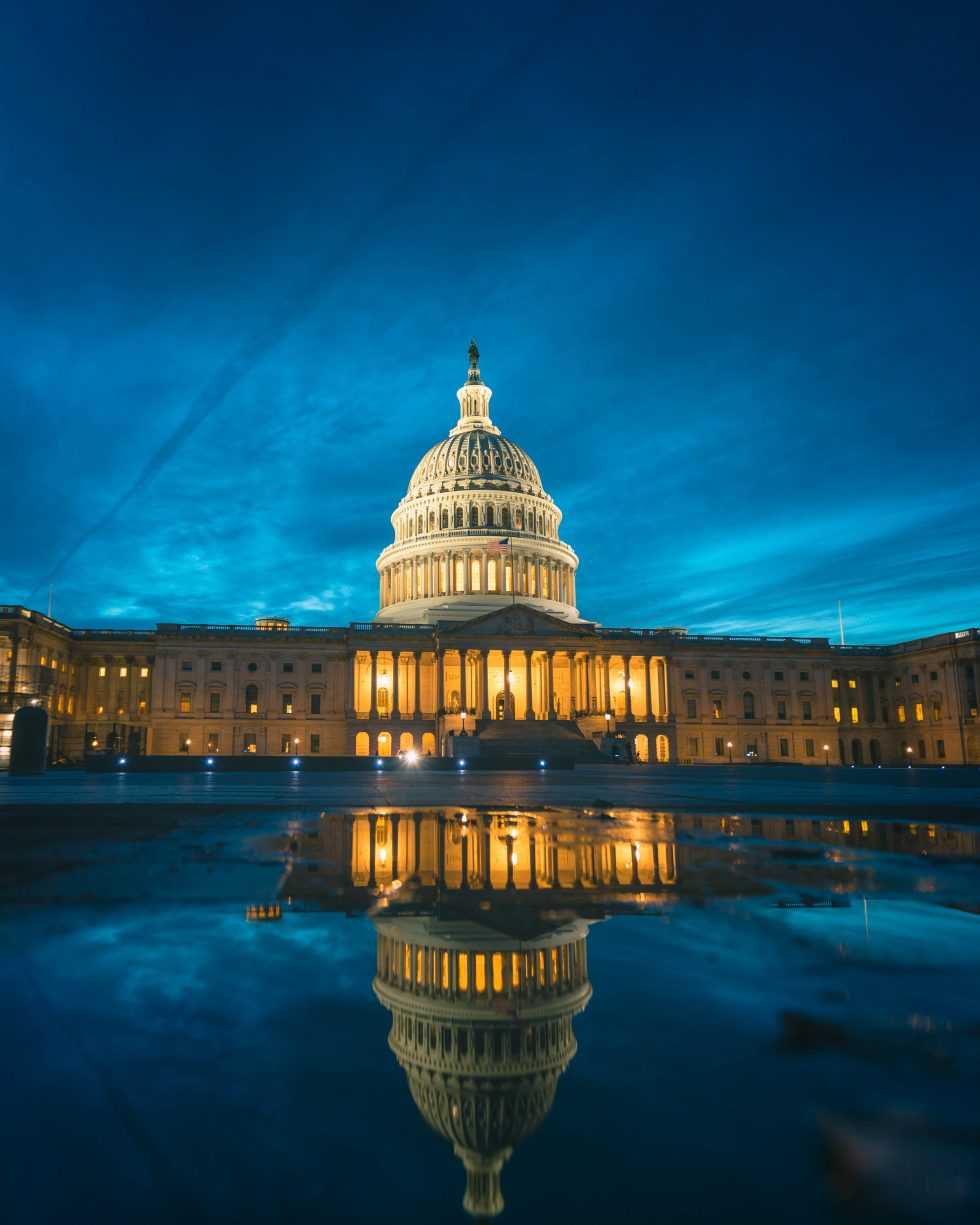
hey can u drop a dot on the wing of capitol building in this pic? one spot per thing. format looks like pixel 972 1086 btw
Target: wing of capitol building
pixel 478 647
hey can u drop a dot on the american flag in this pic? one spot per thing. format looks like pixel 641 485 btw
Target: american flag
pixel 498 546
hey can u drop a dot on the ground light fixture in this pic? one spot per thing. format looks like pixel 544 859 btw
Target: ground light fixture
pixel 295 761
pixel 209 761
pixel 542 763
pixel 122 761
pixel 411 756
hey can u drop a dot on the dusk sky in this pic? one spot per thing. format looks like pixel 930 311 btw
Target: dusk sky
pixel 721 261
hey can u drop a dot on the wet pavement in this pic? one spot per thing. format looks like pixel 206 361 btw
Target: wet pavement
pixel 254 1000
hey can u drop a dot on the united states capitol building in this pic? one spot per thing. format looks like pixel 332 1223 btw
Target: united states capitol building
pixel 478 645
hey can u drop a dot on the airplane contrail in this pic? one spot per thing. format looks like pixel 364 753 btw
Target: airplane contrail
pixel 264 339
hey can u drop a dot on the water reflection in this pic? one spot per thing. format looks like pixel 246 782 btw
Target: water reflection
pixel 482 919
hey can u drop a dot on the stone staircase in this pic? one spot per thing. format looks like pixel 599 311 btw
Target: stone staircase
pixel 509 738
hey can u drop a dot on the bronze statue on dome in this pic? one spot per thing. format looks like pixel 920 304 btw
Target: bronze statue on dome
pixel 474 353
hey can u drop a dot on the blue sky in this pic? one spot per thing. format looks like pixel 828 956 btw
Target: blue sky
pixel 721 262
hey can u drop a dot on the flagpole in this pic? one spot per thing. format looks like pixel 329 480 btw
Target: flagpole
pixel 840 618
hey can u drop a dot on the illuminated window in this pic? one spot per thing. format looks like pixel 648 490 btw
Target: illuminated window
pixel 185 703
pixel 144 673
pixel 61 702
pixel 508 576
pixel 498 973
pixel 898 680
pixel 287 703
pixel 142 704
pixel 854 715
pixel 837 714
pixel 44 660
pixel 475 574
pixel 716 708
pixel 492 574
pixel 252 699
pixel 123 672
pixel 285 743
pixel 533 580
pixel 102 670
pixel 250 742
pixel 71 704
pixel 480 973
pixel 459 573
pixel 852 683
pixel 99 710
pixel 214 703
pixel 463 971
pixel 918 712
pixel 901 712
pixel 834 683
pixel 213 742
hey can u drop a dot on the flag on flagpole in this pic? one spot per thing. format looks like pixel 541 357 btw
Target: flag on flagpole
pixel 498 546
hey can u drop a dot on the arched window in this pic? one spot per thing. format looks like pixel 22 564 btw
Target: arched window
pixel 474 516
pixel 748 705
pixel 361 744
pixel 420 526
pixel 384 744
pixel 428 743
pixel 642 748
pixel 252 699
pixel 432 520
pixel 406 741
pixel 458 517
pixel 444 519
pixel 519 520
pixel 663 749
pixel 489 519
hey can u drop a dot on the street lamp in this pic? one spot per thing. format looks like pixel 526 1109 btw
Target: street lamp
pixel 826 754
pixel 908 753
pixel 296 745
pixel 187 746
pixel 729 752
pixel 608 717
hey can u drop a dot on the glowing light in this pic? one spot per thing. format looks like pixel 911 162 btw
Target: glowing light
pixel 542 763
pixel 295 761
pixel 379 763
pixel 462 765
pixel 383 855
pixel 510 678
pixel 209 761
pixel 513 858
pixel 122 761
pixel 411 757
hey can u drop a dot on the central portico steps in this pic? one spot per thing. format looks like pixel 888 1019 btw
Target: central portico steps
pixel 507 738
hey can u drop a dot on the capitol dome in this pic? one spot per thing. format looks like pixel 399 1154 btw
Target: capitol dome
pixel 475 531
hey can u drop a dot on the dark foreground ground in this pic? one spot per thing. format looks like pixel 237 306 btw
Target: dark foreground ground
pixel 789 1033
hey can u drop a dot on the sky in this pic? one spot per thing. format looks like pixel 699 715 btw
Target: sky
pixel 721 262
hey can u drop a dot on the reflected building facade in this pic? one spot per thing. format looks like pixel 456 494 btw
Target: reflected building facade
pixel 478 630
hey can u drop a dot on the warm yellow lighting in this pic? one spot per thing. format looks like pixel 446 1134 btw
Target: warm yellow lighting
pixel 513 858
pixel 124 672
pixel 510 678
pixel 144 672
pixel 102 670
pixel 383 855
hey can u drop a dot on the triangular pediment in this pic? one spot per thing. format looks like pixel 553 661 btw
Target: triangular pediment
pixel 519 621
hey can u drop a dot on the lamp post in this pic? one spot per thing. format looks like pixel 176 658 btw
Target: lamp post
pixel 826 754
pixel 608 717
pixel 186 747
pixel 908 753
pixel 296 745
pixel 729 752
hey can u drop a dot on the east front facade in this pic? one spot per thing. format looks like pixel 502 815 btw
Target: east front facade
pixel 478 646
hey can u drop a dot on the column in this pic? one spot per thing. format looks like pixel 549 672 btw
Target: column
pixel 663 708
pixel 589 665
pixel 550 694
pixel 573 701
pixel 351 683
pixel 417 711
pixel 374 685
pixel 463 706
pixel 396 710
pixel 440 699
pixel 485 684
pixel 606 692
pixel 529 705
pixel 626 688
pixel 649 675
pixel 483 570
pixel 508 714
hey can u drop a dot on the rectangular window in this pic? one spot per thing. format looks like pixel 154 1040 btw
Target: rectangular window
pixel 315 742
pixel 898 681
pixel 316 667
pixel 286 742
pixel 314 703
pixel 185 703
pixel 186 665
pixel 214 703
pixel 901 712
pixel 940 747
pixel 807 710
pixel 780 709
pixel 459 575
pixel 778 676
pixel 123 672
pixel 922 748
pixel 918 712
pixel 855 718
pixel 287 705
pixel 716 708
pixel 837 714
pixel 937 708
pixel 934 676
pixel 102 670
pixel 142 705
pixel 213 741
pixel 287 667
pixel 215 665
pixel 834 683
pixel 852 683
pixel 748 706
pixel 475 574
pixel 692 745
pixel 783 747
pixel 752 748
pixel 719 746
pixel 689 676
pixel 915 678
pixel 249 744
pixel 808 748
pixel 804 676
pixel 692 708
pixel 144 673
pixel 716 676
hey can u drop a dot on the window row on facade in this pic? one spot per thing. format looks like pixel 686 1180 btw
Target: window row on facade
pixel 476 515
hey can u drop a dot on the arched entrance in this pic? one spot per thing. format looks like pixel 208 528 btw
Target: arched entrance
pixel 384 744
pixel 406 741
pixel 428 744
pixel 875 749
pixel 642 748
pixel 857 752
pixel 663 749
pixel 362 744
pixel 841 752
pixel 498 704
